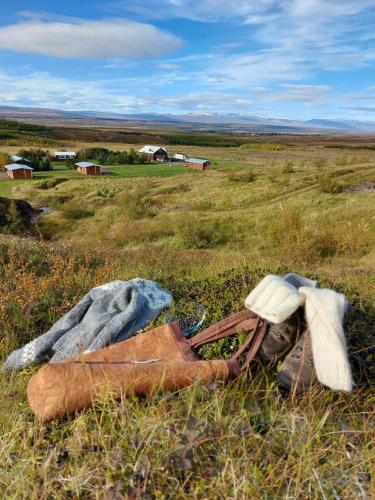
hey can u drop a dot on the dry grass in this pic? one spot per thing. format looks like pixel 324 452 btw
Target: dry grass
pixel 245 440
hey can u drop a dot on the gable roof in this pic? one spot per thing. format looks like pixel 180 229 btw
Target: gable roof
pixel 17 166
pixel 65 153
pixel 151 149
pixel 16 158
pixel 196 160
pixel 86 164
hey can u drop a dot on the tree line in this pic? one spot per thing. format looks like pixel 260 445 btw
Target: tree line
pixel 104 156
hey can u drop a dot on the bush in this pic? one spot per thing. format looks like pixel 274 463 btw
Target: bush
pixel 74 211
pixel 4 160
pixel 338 237
pixel 288 168
pixel 105 193
pixel 242 176
pixel 59 200
pixel 201 233
pixel 320 163
pixel 51 183
pixel 138 204
pixel 71 164
pixel 262 146
pixel 328 184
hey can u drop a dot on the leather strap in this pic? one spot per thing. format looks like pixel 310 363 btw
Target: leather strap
pixel 257 340
pixel 237 322
pixel 243 321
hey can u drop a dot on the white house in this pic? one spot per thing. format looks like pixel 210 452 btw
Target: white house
pixel 64 155
pixel 153 153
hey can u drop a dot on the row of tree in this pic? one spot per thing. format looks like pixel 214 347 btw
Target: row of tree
pixel 13 126
pixel 104 156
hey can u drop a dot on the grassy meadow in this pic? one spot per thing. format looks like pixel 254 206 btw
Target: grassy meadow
pixel 209 237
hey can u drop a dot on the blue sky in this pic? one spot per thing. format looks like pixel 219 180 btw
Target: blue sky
pixel 277 58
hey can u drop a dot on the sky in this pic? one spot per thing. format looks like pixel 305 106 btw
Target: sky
pixel 295 59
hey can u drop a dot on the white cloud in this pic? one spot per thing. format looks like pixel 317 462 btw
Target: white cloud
pixel 207 101
pixel 110 38
pixel 46 91
pixel 205 10
pixel 253 11
pixel 311 95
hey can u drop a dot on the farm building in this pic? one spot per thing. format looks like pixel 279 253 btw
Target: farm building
pixel 64 155
pixel 179 157
pixel 88 168
pixel 197 163
pixel 20 160
pixel 153 153
pixel 19 171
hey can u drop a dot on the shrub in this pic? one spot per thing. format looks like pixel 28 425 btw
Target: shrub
pixel 288 168
pixel 105 193
pixel 14 219
pixel 51 183
pixel 71 164
pixel 242 176
pixel 320 163
pixel 328 184
pixel 273 173
pixel 262 146
pixel 288 235
pixel 138 204
pixel 73 211
pixel 202 233
pixel 4 160
pixel 59 200
pixel 342 237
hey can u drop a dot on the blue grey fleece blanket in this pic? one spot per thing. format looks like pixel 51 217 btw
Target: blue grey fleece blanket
pixel 107 314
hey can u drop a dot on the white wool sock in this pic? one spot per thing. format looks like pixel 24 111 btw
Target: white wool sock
pixel 274 299
pixel 324 311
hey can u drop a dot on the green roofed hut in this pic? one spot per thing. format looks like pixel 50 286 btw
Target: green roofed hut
pixel 197 163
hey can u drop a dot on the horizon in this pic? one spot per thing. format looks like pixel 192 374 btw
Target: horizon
pixel 291 60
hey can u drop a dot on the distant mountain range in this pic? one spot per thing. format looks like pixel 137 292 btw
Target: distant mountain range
pixel 194 121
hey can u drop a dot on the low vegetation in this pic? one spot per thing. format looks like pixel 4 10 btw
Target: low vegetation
pixel 209 237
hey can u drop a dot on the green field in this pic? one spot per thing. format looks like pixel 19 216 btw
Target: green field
pixel 209 237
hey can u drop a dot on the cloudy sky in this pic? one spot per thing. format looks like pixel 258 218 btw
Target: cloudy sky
pixel 281 58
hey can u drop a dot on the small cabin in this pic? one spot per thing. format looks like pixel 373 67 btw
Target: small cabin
pixel 197 163
pixel 88 168
pixel 20 160
pixel 19 171
pixel 64 155
pixel 154 153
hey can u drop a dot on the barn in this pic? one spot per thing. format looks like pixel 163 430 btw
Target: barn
pixel 88 168
pixel 154 153
pixel 19 171
pixel 197 163
pixel 64 155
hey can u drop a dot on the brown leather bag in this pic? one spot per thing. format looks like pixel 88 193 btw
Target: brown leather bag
pixel 161 358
